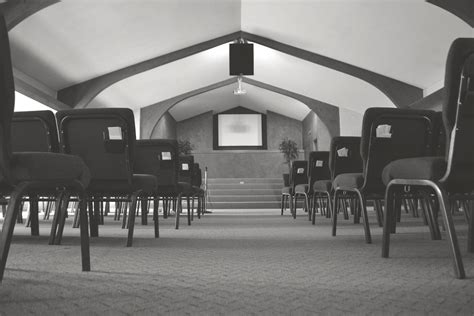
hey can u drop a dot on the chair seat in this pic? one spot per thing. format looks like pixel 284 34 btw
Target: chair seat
pixel 322 185
pixel 145 182
pixel 198 190
pixel 427 168
pixel 185 188
pixel 349 180
pixel 167 190
pixel 287 190
pixel 42 166
pixel 301 188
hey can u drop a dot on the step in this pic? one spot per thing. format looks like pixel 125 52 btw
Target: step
pixel 243 205
pixel 246 198
pixel 236 186
pixel 245 180
pixel 213 192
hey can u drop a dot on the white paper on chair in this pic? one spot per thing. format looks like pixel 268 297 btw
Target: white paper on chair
pixel 115 132
pixel 343 152
pixel 384 131
pixel 166 155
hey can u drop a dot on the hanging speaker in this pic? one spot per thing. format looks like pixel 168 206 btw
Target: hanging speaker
pixel 241 59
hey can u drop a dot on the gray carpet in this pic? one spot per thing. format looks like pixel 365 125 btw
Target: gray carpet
pixel 231 262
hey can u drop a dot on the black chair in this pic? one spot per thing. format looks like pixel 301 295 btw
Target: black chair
pixel 167 175
pixel 34 131
pixel 199 193
pixel 344 157
pixel 387 134
pixel 449 177
pixel 105 139
pixel 185 186
pixel 298 175
pixel 28 173
pixel 158 157
pixel 318 168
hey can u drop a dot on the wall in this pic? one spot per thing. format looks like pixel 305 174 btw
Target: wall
pixel 350 122
pixel 165 128
pixel 314 128
pixel 241 163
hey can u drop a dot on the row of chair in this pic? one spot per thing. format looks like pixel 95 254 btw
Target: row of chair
pixel 91 154
pixel 404 156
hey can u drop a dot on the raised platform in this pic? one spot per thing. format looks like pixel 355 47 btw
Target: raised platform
pixel 244 193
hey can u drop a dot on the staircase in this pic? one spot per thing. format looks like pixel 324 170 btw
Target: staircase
pixel 244 193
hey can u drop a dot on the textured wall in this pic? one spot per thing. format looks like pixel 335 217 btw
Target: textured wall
pixel 241 163
pixel 165 128
pixel 351 122
pixel 314 128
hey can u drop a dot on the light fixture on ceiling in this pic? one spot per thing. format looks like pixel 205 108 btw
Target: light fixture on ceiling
pixel 239 90
pixel 240 62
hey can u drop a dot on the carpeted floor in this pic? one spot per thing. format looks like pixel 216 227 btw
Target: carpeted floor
pixel 238 262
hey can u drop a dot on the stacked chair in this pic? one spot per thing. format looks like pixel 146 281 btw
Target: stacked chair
pixel 387 135
pixel 344 157
pixel 105 140
pixel 448 177
pixel 298 175
pixel 318 168
pixel 33 173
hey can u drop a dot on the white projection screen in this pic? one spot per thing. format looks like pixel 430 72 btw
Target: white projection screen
pixel 234 131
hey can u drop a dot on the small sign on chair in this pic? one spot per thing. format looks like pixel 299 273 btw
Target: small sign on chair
pixel 300 171
pixel 343 152
pixel 319 163
pixel 166 155
pixel 384 131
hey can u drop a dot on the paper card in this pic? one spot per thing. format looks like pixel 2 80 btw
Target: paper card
pixel 319 163
pixel 300 171
pixel 115 132
pixel 383 131
pixel 343 152
pixel 166 155
pixel 184 166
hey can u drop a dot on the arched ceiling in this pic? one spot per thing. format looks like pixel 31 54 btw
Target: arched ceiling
pixel 257 99
pixel 70 42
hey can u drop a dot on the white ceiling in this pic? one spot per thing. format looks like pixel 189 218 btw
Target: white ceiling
pixel 74 41
pixel 271 67
pixel 403 39
pixel 257 99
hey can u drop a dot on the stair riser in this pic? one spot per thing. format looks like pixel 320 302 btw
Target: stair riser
pixel 250 186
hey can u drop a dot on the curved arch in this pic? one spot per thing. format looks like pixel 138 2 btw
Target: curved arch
pixel 400 93
pixel 17 11
pixel 463 9
pixel 329 114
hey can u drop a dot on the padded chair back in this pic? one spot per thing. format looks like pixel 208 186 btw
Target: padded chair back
pixel 318 165
pixel 34 131
pixel 158 157
pixel 197 175
pixel 186 169
pixel 103 138
pixel 299 172
pixel 439 134
pixel 7 102
pixel 458 116
pixel 390 134
pixel 344 156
